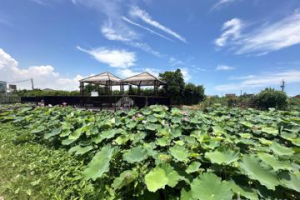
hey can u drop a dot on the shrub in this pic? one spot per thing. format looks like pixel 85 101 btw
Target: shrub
pixel 271 98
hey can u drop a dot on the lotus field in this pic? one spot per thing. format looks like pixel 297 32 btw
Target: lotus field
pixel 155 153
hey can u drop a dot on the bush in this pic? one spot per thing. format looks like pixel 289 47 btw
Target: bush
pixel 271 98
pixel 193 94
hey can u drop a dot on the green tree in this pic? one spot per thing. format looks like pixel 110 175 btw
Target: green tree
pixel 175 85
pixel 271 98
pixel 193 94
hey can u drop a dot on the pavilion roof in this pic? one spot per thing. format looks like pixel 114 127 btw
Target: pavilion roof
pixel 143 79
pixel 103 79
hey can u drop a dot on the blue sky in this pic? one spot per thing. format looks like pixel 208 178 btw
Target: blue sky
pixel 228 46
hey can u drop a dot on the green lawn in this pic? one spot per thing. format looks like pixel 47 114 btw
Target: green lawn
pixel 34 171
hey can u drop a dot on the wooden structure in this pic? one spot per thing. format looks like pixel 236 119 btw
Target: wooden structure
pixel 109 100
pixel 105 79
pixel 143 79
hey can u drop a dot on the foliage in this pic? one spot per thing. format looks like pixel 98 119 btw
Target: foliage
pixel 193 94
pixel 156 153
pixel 178 91
pixel 271 98
pixel 38 92
pixel 174 87
pixel 34 171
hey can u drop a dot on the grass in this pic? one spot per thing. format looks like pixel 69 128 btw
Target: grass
pixel 29 170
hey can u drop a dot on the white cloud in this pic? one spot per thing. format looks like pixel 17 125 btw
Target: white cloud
pixel 143 15
pixel 262 40
pixel 224 68
pixel 276 36
pixel 44 76
pixel 186 74
pixel 231 31
pixel 261 81
pixel 114 58
pixel 220 3
pixel 146 28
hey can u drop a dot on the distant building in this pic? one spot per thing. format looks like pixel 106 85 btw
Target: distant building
pixel 3 86
pixel 230 95
pixel 12 88
pixel 298 96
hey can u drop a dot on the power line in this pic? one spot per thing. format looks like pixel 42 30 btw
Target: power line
pixel 31 80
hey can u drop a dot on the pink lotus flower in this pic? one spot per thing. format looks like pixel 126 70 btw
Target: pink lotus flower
pixel 121 108
pixel 64 104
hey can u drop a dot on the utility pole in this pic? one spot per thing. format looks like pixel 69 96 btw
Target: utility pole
pixel 282 85
pixel 32 85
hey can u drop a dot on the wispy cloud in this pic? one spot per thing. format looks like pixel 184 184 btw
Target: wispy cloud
pixel 224 68
pixel 220 3
pixel 261 81
pixel 146 28
pixel 110 33
pixel 231 31
pixel 114 58
pixel 262 40
pixel 143 15
pixel 146 48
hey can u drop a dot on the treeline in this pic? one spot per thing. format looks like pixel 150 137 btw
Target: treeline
pixel 39 92
pixel 267 98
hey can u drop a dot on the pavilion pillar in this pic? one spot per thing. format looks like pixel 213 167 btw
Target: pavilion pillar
pixel 155 87
pixel 121 88
pixel 81 87
pixel 130 89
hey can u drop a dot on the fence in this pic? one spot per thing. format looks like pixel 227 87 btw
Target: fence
pixel 98 102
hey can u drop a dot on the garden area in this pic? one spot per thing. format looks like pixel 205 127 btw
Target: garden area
pixel 217 152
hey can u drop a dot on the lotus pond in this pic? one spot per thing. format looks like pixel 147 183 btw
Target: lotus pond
pixel 156 153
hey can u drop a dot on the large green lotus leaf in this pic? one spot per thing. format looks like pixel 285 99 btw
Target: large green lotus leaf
pixel 193 167
pixel 217 130
pixel 156 179
pixel 274 162
pixel 164 141
pixel 290 180
pixel 39 129
pixel 151 127
pixel 247 124
pixel 186 195
pixel 78 150
pixel 281 150
pixel 208 186
pixel 270 130
pixel 264 141
pixel 179 153
pixel 254 170
pixel 99 164
pixel 136 154
pixel 75 135
pixel 124 179
pixel 173 176
pixel 296 141
pixel 108 134
pixel 168 177
pixel 151 119
pixel 54 132
pixel 222 156
pixel 122 139
pixel 247 192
